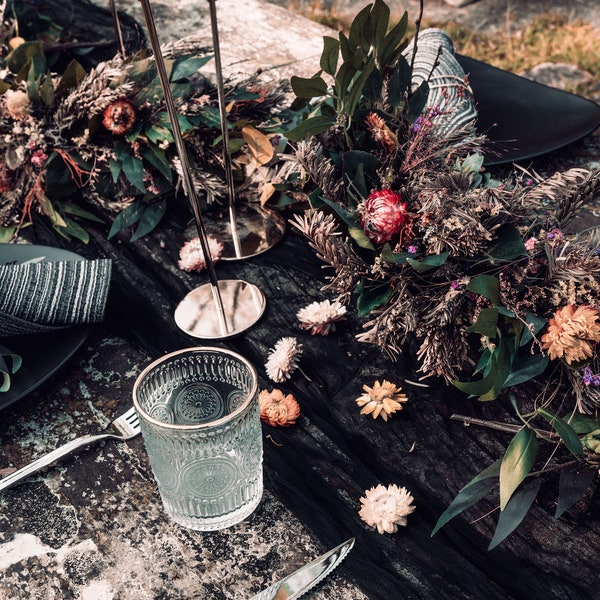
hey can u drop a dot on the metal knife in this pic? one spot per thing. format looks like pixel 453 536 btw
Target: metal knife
pixel 306 577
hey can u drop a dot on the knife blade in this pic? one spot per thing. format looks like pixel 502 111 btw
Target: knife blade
pixel 305 578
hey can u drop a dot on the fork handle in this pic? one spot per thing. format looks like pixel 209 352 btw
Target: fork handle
pixel 47 459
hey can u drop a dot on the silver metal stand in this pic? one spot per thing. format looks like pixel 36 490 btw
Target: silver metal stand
pixel 219 309
pixel 253 229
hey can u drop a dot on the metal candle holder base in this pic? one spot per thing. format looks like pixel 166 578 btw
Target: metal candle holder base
pixel 243 305
pixel 257 228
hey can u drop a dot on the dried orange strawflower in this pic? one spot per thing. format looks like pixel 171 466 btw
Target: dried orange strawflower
pixel 382 399
pixel 571 333
pixel 386 507
pixel 278 409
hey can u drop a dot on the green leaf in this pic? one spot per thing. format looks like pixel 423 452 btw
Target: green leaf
pixel 471 493
pixel 583 424
pixel 567 434
pixel 77 211
pixel 574 481
pixel 487 323
pixel 309 127
pixel 158 159
pixel 361 238
pixel 372 296
pixel 367 164
pixel 330 55
pixel 133 169
pixel 431 261
pixel 356 88
pixel 357 34
pixel 417 101
pixel 185 67
pixel 472 164
pixel 129 216
pixel 7 233
pixel 509 245
pixel 399 82
pixel 149 219
pixel 380 20
pixel 516 509
pixel 534 325
pixel 516 463
pixel 311 87
pixel 20 57
pixel 392 42
pixel 486 285
pixel 529 366
pixel 73 229
pixel 592 441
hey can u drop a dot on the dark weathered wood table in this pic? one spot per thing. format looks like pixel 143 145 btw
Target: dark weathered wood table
pixel 92 526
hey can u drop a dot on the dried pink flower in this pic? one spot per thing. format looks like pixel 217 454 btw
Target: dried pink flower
pixel 383 215
pixel 191 256
pixel 320 317
pixel 283 359
pixel 16 104
pixel 278 409
pixel 386 507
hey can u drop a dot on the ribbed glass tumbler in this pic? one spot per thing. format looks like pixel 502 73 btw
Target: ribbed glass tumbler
pixel 200 422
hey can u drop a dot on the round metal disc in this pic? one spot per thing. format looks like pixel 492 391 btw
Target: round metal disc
pixel 243 305
pixel 258 229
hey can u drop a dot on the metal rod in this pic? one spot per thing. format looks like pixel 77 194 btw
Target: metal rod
pixel 224 130
pixel 188 183
pixel 117 26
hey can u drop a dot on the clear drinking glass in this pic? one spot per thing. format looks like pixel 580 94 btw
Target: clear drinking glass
pixel 200 421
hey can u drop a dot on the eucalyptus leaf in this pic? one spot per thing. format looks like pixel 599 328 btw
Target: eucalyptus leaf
pixel 479 487
pixel 311 87
pixel 472 164
pixel 133 169
pixel 567 434
pixel 583 424
pixel 356 88
pixel 73 229
pixel 361 238
pixel 392 43
pixel 330 55
pixel 184 67
pixel 129 216
pixel 517 462
pixel 574 481
pixel 516 509
pixel 399 82
pixel 357 34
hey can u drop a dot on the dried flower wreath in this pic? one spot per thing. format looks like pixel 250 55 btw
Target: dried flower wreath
pixel 478 272
pixel 75 140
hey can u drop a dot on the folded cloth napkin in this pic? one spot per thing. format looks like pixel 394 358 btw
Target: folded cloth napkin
pixel 449 90
pixel 37 297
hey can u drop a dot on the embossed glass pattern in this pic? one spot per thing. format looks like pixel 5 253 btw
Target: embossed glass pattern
pixel 200 422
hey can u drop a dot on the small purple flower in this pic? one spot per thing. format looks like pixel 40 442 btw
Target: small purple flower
pixel 455 285
pixel 589 378
pixel 412 249
pixel 417 125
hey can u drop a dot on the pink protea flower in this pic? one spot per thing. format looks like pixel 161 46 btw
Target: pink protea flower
pixel 119 117
pixel 383 215
pixel 191 257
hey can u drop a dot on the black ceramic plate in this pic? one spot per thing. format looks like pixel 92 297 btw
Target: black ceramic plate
pixel 43 353
pixel 523 119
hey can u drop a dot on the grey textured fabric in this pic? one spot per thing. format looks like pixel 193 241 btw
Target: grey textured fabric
pixel 44 296
pixel 449 91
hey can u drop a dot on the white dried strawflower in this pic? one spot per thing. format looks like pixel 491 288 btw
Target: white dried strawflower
pixel 320 317
pixel 283 359
pixel 191 257
pixel 386 508
pixel 16 104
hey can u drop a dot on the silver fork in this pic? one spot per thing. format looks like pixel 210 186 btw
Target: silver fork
pixel 125 427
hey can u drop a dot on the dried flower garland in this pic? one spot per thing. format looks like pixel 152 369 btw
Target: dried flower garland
pixel 320 317
pixel 277 408
pixel 283 359
pixel 386 508
pixel 383 399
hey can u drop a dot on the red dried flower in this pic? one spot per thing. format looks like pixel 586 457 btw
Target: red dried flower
pixel 383 215
pixel 119 117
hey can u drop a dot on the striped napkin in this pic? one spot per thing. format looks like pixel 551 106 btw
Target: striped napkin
pixel 38 297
